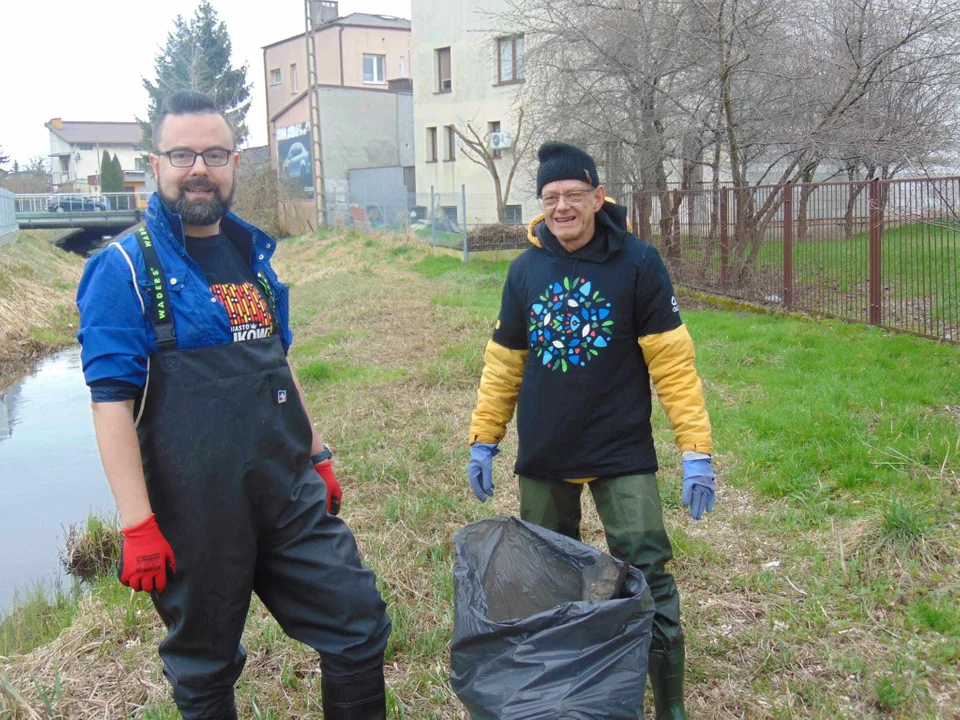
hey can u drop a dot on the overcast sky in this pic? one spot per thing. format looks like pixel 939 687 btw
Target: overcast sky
pixel 86 60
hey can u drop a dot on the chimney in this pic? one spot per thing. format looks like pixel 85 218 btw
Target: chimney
pixel 57 123
pixel 329 11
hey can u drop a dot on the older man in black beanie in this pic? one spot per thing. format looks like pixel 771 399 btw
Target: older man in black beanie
pixel 588 316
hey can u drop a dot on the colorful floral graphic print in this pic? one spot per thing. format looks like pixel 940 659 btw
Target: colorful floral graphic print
pixel 569 324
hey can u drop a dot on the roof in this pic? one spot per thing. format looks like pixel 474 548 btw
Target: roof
pixel 370 20
pixel 367 20
pixel 115 133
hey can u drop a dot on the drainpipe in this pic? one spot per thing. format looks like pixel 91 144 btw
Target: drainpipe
pixel 341 56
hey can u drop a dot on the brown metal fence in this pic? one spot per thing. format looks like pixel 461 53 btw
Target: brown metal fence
pixel 886 252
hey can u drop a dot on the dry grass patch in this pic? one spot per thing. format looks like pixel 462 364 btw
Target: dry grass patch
pixel 38 284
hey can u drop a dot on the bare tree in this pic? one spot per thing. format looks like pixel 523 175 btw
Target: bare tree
pixel 796 82
pixel 475 145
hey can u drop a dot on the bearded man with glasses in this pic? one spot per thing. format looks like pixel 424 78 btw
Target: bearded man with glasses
pixel 223 485
pixel 588 316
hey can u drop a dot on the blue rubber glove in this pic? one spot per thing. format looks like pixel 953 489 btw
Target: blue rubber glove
pixel 699 490
pixel 480 469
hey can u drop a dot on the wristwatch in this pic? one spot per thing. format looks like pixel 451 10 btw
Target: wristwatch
pixel 322 456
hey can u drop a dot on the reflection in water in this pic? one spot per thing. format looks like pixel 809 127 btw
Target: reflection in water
pixel 8 411
pixel 50 472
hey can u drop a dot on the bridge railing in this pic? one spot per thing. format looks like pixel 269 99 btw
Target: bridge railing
pixel 8 220
pixel 76 202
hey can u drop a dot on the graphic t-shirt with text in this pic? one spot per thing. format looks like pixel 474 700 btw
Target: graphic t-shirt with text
pixel 233 283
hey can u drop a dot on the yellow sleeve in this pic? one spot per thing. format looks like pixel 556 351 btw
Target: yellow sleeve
pixel 497 396
pixel 669 357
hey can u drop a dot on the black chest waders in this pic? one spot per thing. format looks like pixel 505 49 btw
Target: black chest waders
pixel 225 443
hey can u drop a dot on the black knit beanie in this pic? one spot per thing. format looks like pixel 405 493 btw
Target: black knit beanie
pixel 563 161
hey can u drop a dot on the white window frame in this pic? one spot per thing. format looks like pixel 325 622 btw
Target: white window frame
pixel 276 77
pixel 379 68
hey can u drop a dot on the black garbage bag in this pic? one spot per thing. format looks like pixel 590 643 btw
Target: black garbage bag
pixel 546 627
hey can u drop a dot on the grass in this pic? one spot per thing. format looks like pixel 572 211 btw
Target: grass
pixel 823 585
pixel 38 284
pixel 917 261
pixel 440 237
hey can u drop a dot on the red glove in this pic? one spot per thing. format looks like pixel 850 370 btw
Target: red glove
pixel 334 493
pixel 144 557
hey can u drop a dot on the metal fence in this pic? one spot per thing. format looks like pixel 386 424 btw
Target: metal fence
pixel 469 222
pixel 8 219
pixel 883 252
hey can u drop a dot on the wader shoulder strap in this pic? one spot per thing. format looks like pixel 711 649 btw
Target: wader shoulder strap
pixel 160 311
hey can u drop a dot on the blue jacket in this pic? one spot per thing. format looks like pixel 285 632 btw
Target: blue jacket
pixel 116 333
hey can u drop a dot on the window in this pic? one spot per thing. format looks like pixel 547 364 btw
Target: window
pixel 451 143
pixel 514 214
pixel 85 146
pixel 510 59
pixel 403 67
pixel 449 212
pixel 431 144
pixel 444 83
pixel 374 68
pixel 294 82
pixel 275 77
pixel 494 127
pixel 138 164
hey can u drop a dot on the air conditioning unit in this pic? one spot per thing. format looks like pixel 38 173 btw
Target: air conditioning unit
pixel 500 141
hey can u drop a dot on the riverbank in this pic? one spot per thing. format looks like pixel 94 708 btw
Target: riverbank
pixel 38 312
pixel 822 585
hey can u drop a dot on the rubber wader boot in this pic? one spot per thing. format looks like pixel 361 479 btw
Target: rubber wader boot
pixel 229 715
pixel 666 661
pixel 359 697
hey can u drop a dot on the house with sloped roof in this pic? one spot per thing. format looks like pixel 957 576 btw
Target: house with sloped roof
pixel 76 148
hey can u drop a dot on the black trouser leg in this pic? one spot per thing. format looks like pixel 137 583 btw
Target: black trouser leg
pixel 204 606
pixel 310 577
pixel 358 697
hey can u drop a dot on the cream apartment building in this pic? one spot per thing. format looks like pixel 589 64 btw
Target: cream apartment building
pixel 467 73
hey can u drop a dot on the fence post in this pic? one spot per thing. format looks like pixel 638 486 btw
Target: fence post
pixel 788 245
pixel 433 223
pixel 724 239
pixel 876 220
pixel 466 252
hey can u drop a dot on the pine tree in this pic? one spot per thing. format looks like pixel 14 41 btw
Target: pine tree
pixel 197 57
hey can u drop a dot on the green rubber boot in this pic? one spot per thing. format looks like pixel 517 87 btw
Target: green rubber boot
pixel 666 661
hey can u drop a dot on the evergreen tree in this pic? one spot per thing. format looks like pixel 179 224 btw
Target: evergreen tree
pixel 111 174
pixel 197 57
pixel 4 159
pixel 104 170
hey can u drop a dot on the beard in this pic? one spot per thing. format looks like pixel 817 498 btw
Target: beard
pixel 199 212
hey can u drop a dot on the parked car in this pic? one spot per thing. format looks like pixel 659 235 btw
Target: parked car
pixel 74 202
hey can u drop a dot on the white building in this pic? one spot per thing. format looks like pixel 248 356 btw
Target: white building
pixel 466 75
pixel 76 149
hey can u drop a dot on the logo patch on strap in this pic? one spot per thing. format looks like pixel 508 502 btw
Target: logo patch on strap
pixel 281 396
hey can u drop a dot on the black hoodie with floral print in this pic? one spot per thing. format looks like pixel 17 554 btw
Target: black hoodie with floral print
pixel 584 403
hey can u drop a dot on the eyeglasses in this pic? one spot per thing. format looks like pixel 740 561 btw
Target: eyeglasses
pixel 574 197
pixel 212 157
